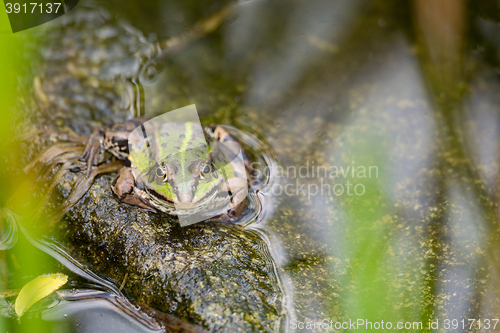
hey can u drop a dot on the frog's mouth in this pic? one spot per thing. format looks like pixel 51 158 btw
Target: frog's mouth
pixel 186 205
pixel 188 200
pixel 179 202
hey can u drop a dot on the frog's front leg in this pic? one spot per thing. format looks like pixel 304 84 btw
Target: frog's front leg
pixel 232 145
pixel 237 187
pixel 113 139
pixel 130 190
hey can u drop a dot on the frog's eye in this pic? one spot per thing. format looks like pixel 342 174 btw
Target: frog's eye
pixel 160 172
pixel 205 172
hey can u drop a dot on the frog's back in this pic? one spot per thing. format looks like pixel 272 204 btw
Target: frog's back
pixel 180 141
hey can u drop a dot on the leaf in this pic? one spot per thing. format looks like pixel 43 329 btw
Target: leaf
pixel 37 289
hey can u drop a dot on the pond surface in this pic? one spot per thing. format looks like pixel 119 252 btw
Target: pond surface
pixel 374 123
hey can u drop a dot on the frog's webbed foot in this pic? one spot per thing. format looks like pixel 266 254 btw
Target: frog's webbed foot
pixel 130 191
pixel 66 155
pixel 53 135
pixel 54 155
pixel 237 188
pixel 55 180
pixel 93 149
pixel 82 187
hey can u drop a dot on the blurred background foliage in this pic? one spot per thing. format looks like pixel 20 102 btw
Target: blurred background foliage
pixel 409 87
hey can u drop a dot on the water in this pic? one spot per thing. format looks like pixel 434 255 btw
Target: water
pixel 377 146
pixel 111 307
pixel 90 310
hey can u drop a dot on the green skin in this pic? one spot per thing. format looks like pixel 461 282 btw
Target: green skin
pixel 173 170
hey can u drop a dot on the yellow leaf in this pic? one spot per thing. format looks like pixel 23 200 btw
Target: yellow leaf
pixel 37 289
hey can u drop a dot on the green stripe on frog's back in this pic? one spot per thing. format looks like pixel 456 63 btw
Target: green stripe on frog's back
pixel 188 135
pixel 184 158
pixel 182 143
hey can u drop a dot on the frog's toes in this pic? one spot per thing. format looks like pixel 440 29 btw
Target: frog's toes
pixel 127 191
pixel 93 149
pixel 57 153
pixel 123 184
pixel 219 133
pixel 237 208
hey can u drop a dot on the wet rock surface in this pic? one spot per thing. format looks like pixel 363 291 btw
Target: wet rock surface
pixel 429 220
pixel 88 62
pixel 219 276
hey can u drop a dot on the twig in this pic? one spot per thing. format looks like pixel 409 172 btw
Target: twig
pixel 199 30
pixel 124 280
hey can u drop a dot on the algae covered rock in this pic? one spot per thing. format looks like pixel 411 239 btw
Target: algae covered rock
pixel 217 275
pixel 220 276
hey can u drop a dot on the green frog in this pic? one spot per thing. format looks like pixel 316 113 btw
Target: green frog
pixel 172 169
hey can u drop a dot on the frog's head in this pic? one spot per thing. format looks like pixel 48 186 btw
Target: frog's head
pixel 176 165
pixel 183 184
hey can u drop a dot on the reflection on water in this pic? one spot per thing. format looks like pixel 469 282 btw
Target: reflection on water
pixel 97 311
pixel 406 90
